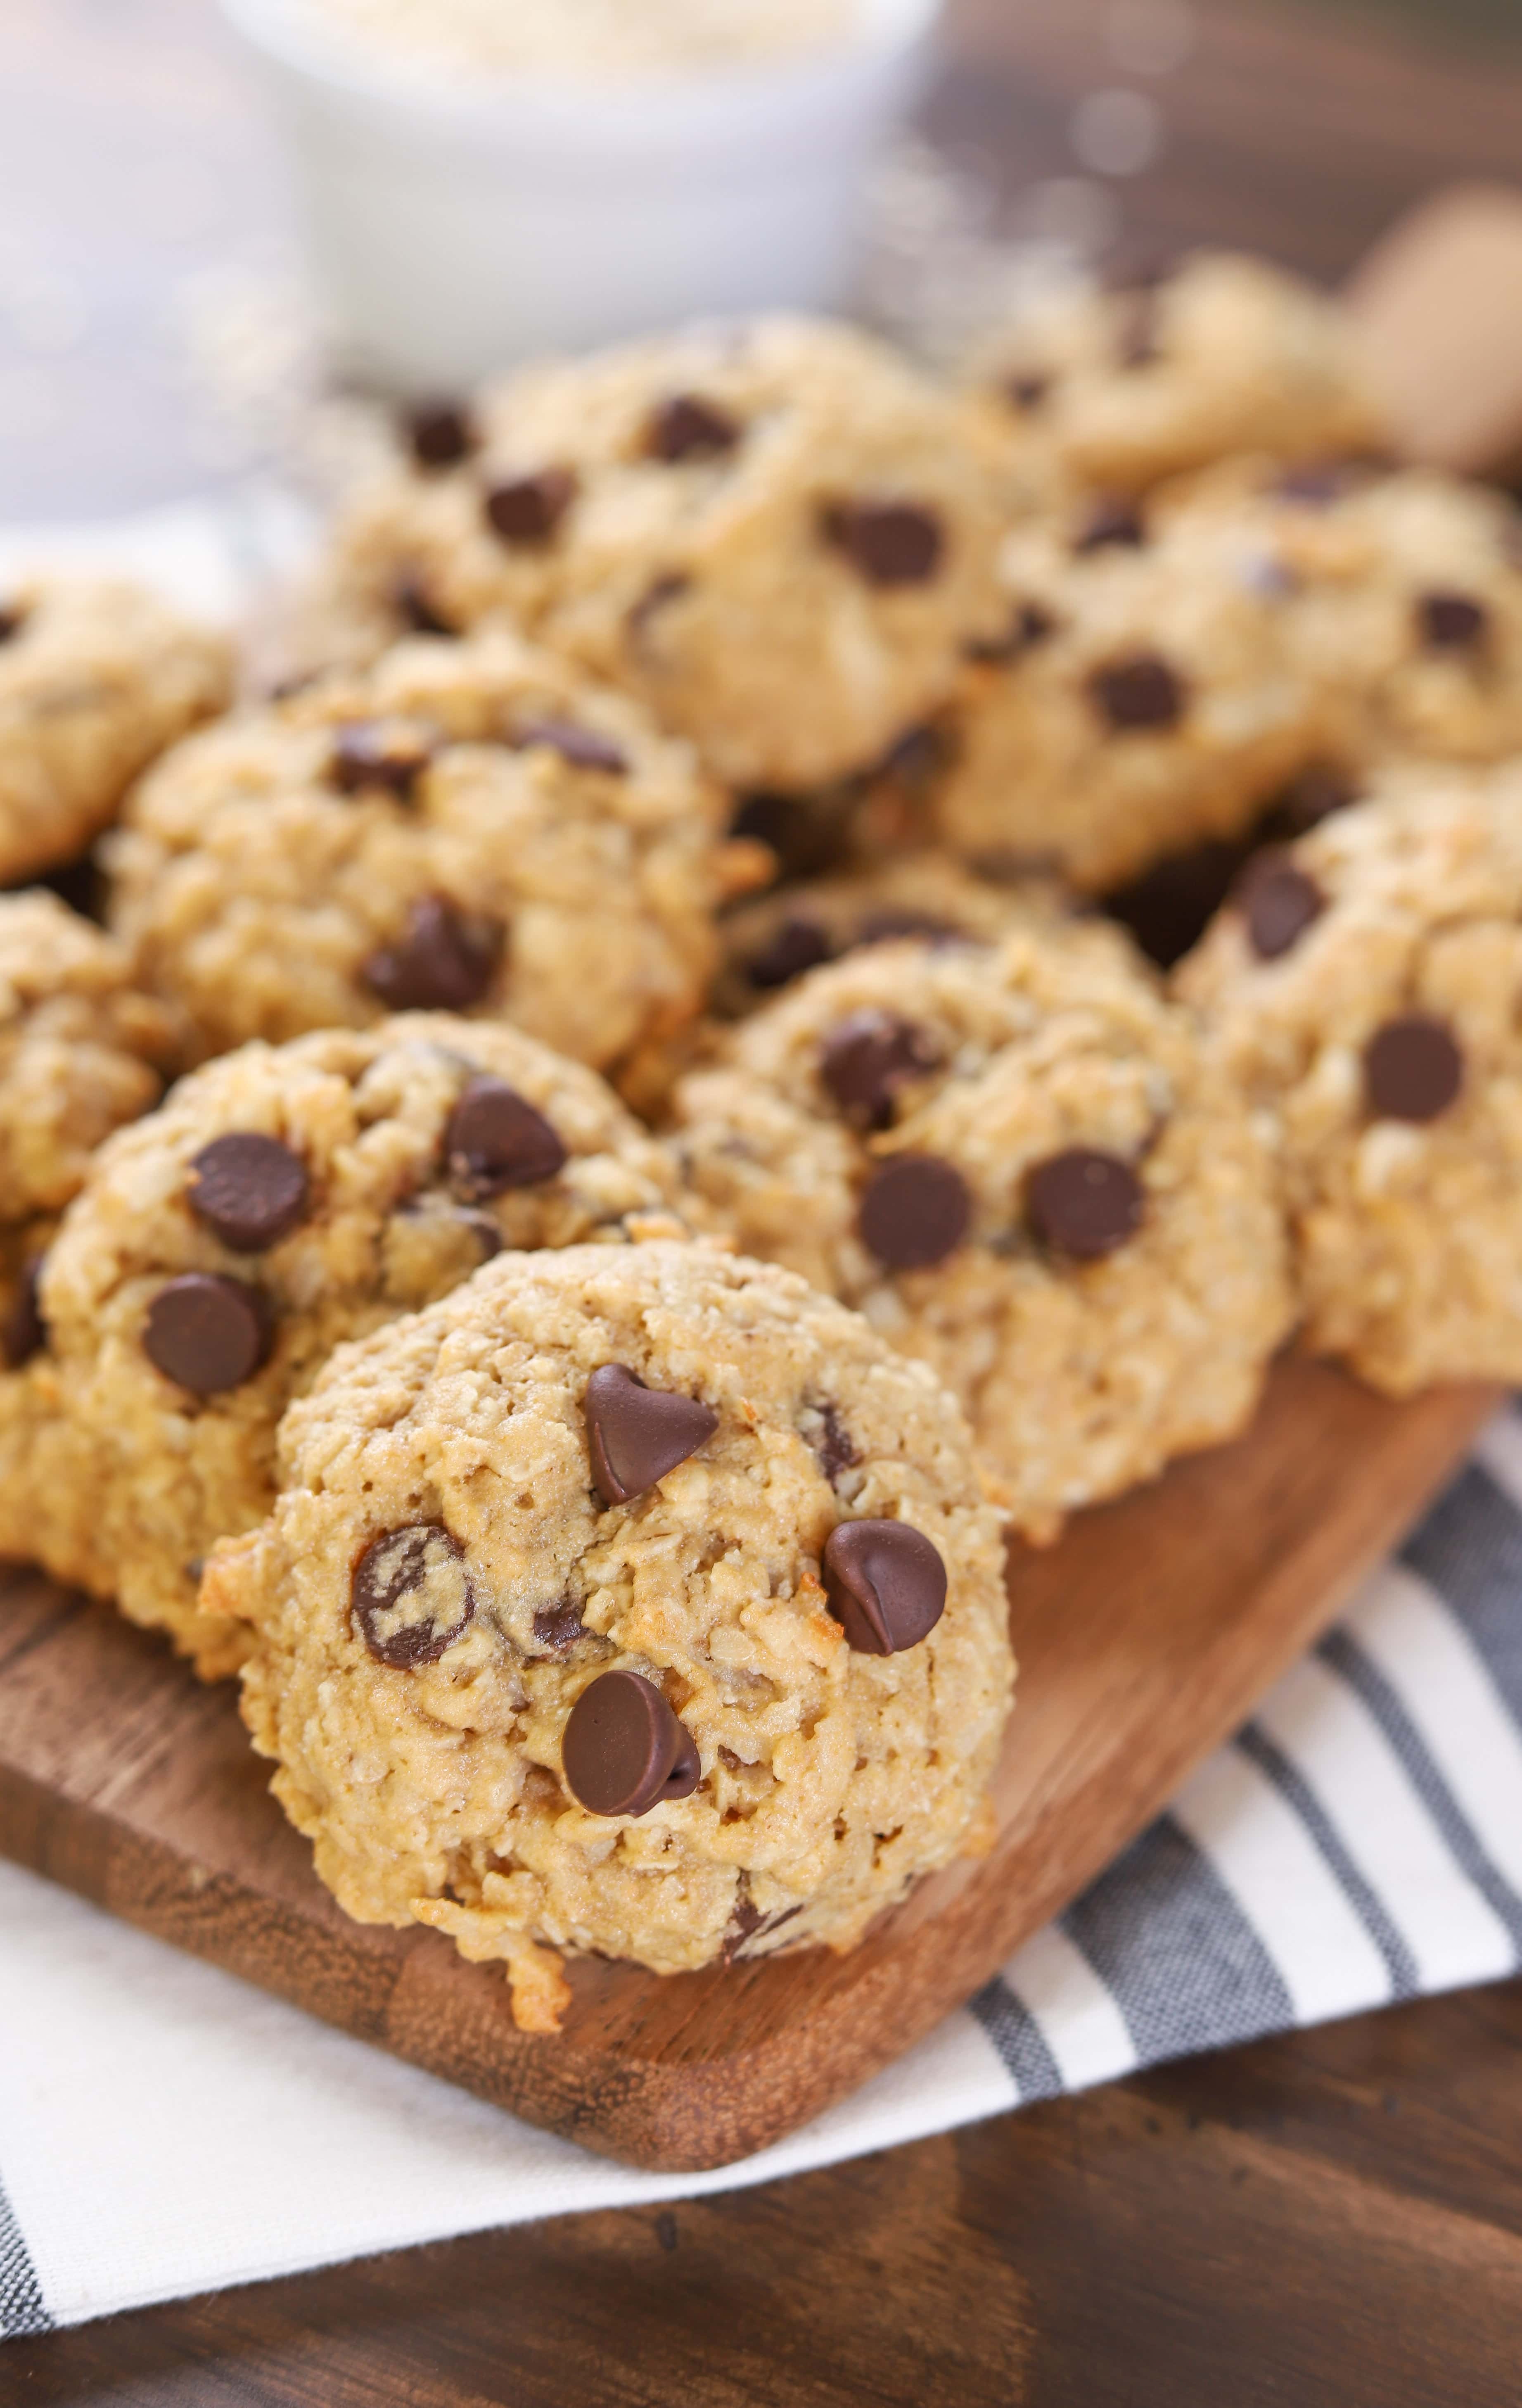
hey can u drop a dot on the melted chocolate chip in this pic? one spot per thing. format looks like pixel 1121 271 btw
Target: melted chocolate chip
pixel 798 945
pixel 416 609
pixel 25 1332
pixel 1278 901
pixel 864 1061
pixel 1139 693
pixel 635 1435
pixel 411 1596
pixel 495 1140
pixel 888 543
pixel 834 1446
pixel 557 1628
pixel 746 1922
pixel 248 1191
pixel 624 1750
pixel 372 752
pixel 1084 1202
pixel 580 746
pixel 1413 1068
pixel 207 1333
pixel 440 435
pixel 1452 622
pixel 445 961
pixel 1112 521
pixel 687 427
pixel 915 1211
pixel 529 510
pixel 1030 625
pixel 886 1583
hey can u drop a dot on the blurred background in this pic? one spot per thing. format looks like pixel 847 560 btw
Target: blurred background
pixel 155 339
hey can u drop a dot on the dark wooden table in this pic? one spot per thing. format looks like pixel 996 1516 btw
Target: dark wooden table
pixel 1332 2220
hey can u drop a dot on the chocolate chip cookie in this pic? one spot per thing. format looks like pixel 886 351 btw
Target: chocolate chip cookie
pixel 96 676
pixel 776 535
pixel 633 1601
pixel 467 827
pixel 1016 1161
pixel 282 1200
pixel 1363 989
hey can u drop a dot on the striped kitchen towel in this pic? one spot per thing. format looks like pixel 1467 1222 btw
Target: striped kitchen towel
pixel 163 2129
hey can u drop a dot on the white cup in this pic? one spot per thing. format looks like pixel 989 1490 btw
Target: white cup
pixel 449 233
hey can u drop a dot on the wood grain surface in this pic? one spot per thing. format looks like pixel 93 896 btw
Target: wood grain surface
pixel 1144 1637
pixel 1332 2219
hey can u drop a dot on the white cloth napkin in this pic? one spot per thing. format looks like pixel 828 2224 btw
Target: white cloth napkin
pixel 166 2130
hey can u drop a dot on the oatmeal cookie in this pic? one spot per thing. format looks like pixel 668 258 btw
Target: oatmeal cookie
pixel 1364 989
pixel 776 535
pixel 281 1199
pixel 1227 354
pixel 473 828
pixel 634 1602
pixel 95 678
pixel 1017 1163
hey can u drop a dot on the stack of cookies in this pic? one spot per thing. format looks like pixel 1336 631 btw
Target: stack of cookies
pixel 683 1133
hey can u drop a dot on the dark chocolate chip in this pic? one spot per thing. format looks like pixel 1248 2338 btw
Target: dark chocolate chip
pixel 207 1333
pixel 440 435
pixel 635 1435
pixel 496 1139
pixel 12 620
pixel 1030 625
pixel 915 1211
pixel 411 1595
pixel 1452 622
pixel 1278 901
pixel 746 1922
pixel 834 1446
pixel 372 752
pixel 557 1628
pixel 624 1750
pixel 1311 795
pixel 1413 1068
pixel 865 1059
pixel 1028 391
pixel 445 961
pixel 687 427
pixel 248 1191
pixel 1112 521
pixel 25 1333
pixel 886 1583
pixel 1169 907
pixel 580 746
pixel 414 607
pixel 889 543
pixel 1084 1202
pixel 1139 692
pixel 529 510
pixel 797 946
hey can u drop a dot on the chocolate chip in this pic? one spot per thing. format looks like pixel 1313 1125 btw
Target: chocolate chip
pixel 1413 1068
pixel 440 435
pixel 411 1595
pixel 654 599
pixel 207 1333
pixel 915 1211
pixel 444 962
pixel 687 427
pixel 1140 691
pixel 495 1139
pixel 248 1191
pixel 624 1750
pixel 1084 1202
pixel 635 1435
pixel 886 1583
pixel 580 746
pixel 866 1058
pixel 1028 391
pixel 25 1333
pixel 1030 625
pixel 371 752
pixel 746 1921
pixel 1452 622
pixel 529 510
pixel 798 945
pixel 1279 902
pixel 557 1628
pixel 12 620
pixel 889 543
pixel 1311 795
pixel 834 1446
pixel 1112 521
pixel 416 609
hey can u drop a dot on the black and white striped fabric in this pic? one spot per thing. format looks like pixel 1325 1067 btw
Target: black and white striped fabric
pixel 164 2130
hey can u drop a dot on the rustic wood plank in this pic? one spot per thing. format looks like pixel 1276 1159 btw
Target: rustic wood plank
pixel 1144 1637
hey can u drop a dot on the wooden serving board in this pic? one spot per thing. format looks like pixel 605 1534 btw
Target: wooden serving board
pixel 1144 1639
